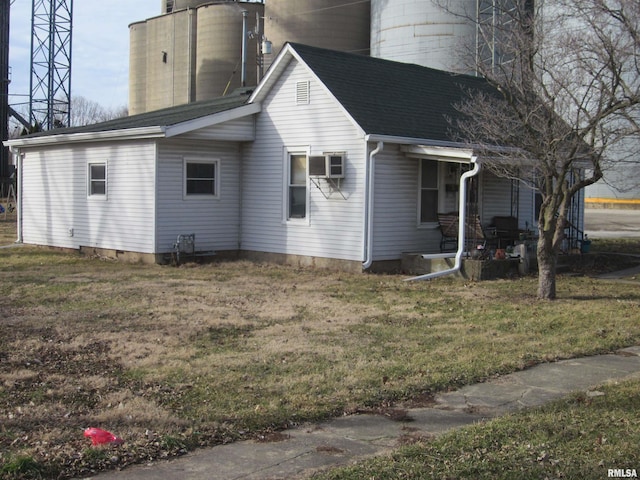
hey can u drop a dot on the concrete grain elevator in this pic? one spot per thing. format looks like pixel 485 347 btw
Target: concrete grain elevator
pixel 194 49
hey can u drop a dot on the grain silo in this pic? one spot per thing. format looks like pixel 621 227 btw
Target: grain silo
pixel 192 52
pixel 219 47
pixel 137 67
pixel 333 24
pixel 421 32
pixel 168 6
pixel 162 54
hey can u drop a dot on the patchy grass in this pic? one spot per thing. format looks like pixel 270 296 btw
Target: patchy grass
pixel 171 359
pixel 616 245
pixel 8 233
pixel 577 437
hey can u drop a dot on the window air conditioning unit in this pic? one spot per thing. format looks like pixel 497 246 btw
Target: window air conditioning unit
pixel 317 166
pixel 330 165
pixel 334 165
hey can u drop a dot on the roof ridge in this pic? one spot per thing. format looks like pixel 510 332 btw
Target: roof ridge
pixel 369 58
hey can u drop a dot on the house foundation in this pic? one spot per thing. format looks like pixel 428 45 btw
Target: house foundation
pixel 471 269
pixel 303 261
pixel 119 255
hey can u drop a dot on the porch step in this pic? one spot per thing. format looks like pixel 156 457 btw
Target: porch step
pixel 416 264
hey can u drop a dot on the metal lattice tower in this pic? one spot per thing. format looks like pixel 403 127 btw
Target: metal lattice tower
pixel 4 87
pixel 50 95
pixel 494 22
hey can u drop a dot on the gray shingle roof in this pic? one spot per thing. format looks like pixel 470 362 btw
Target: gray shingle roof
pixel 384 97
pixel 391 98
pixel 161 118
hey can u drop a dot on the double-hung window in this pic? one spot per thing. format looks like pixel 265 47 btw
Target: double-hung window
pixel 97 174
pixel 297 186
pixel 201 178
pixel 428 191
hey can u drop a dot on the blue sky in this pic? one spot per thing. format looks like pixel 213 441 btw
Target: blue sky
pixel 100 48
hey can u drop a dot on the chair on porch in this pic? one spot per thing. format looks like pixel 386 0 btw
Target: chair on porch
pixel 474 232
pixel 507 231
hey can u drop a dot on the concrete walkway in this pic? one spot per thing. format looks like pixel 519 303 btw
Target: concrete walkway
pixel 628 274
pixel 298 452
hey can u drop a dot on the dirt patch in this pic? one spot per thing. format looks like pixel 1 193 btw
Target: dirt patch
pixel 424 400
pixel 329 450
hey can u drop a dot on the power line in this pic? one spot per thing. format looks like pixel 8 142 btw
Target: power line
pixel 333 7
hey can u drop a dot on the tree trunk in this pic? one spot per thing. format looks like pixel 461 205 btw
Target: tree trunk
pixel 547 261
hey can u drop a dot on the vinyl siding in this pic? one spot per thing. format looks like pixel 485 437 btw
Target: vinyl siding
pixel 239 129
pixel 496 200
pixel 335 223
pixel 395 227
pixel 215 221
pixel 526 212
pixel 55 200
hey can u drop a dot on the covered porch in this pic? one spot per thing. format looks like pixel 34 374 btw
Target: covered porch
pixel 487 223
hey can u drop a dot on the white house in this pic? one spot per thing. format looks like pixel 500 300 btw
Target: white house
pixel 334 159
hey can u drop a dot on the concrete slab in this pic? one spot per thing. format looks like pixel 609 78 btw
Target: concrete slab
pixel 432 421
pixel 364 428
pixel 569 375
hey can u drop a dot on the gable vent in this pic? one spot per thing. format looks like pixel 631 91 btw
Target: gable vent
pixel 302 93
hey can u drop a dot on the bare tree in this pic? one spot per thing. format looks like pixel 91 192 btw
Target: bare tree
pixel 83 112
pixel 565 102
pixel 86 112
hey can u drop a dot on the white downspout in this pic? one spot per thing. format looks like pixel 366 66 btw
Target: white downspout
pixel 245 33
pixel 17 156
pixel 461 224
pixel 368 231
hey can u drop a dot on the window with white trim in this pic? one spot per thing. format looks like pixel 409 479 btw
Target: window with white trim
pixel 429 191
pixel 97 179
pixel 297 186
pixel 201 178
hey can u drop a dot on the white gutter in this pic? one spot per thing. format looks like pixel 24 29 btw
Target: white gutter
pixel 368 228
pixel 243 71
pixel 461 227
pixel 125 134
pixel 416 141
pixel 439 153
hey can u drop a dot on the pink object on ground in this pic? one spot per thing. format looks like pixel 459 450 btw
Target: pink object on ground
pixel 100 437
